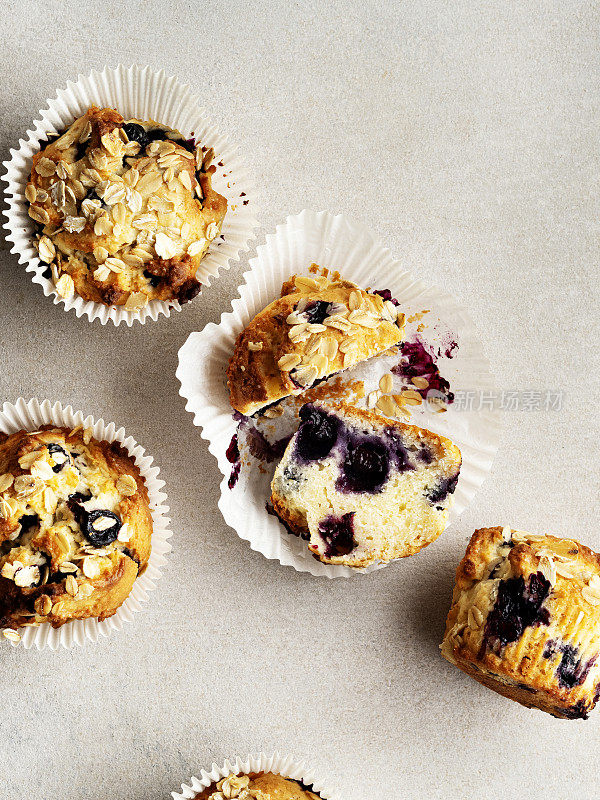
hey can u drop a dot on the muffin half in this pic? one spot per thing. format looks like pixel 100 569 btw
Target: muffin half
pixel 362 487
pixel 319 326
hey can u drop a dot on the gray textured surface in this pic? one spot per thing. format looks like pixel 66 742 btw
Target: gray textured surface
pixel 466 135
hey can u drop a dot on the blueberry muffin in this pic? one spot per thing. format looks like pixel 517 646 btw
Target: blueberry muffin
pixel 75 527
pixel 364 488
pixel 525 620
pixel 257 786
pixel 319 325
pixel 125 210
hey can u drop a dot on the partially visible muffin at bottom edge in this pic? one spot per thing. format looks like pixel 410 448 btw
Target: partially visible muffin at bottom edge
pixel 257 786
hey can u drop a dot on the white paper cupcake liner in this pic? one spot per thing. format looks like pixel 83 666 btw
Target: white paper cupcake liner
pixel 148 95
pixel 333 242
pixel 276 763
pixel 30 415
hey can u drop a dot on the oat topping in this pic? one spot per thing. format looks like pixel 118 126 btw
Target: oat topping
pixel 312 320
pixel 127 211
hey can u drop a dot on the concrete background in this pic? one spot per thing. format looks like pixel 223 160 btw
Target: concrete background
pixel 466 135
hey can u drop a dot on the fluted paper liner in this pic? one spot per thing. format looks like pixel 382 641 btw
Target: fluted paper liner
pixel 30 416
pixel 276 763
pixel 333 242
pixel 148 95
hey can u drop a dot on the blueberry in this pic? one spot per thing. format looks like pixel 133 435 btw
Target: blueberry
pixel 81 150
pixel 136 133
pixel 571 670
pixel 518 606
pixel 75 505
pixel 101 538
pixel 317 434
pixel 153 280
pixel 425 455
pixel 438 493
pixel 28 521
pixel 366 466
pixel 338 534
pixel 317 311
pixel 56 448
pixel 91 195
pixel 385 294
pixel 156 135
pixel 127 552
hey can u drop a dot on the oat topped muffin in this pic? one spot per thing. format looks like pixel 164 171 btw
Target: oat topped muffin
pixel 257 786
pixel 525 620
pixel 75 527
pixel 126 210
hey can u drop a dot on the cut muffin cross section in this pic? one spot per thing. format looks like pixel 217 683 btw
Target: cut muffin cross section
pixel 363 488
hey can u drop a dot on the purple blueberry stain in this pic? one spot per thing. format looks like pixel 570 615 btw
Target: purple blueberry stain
pixel 235 474
pixel 338 534
pixel 518 606
pixel 264 450
pixel 571 670
pixel 418 362
pixel 258 446
pixel 233 456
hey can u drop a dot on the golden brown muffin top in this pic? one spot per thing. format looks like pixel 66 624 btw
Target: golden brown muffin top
pixel 126 208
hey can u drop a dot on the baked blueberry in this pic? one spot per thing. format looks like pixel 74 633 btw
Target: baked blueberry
pixel 438 493
pixel 59 456
pixel 317 434
pixel 101 527
pixel 317 311
pixel 338 535
pixel 366 465
pixel 519 605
